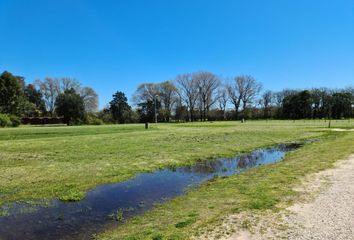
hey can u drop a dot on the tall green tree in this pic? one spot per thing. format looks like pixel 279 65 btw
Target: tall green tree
pixel 11 93
pixel 70 105
pixel 120 108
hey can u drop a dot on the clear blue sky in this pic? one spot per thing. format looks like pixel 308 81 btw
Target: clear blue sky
pixel 115 45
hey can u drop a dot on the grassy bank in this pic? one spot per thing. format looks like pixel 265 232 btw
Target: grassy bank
pixel 259 188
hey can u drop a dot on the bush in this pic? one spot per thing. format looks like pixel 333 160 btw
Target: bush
pixel 4 120
pixel 96 121
pixel 93 119
pixel 15 121
pixel 9 120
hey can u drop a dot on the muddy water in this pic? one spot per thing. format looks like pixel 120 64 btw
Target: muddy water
pixel 109 205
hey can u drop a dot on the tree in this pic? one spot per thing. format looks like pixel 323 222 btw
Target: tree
pixel 146 92
pixel 266 101
pixel 90 98
pixel 168 97
pixel 120 108
pixel 67 83
pixel 235 92
pixel 207 84
pixel 70 105
pixel 342 104
pixel 34 96
pixel 250 89
pixel 297 105
pixel 188 91
pixel 222 99
pixel 146 110
pixel 11 93
pixel 50 90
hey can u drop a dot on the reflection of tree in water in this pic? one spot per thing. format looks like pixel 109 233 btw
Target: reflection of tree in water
pixel 250 160
pixel 245 161
pixel 205 167
pixel 255 158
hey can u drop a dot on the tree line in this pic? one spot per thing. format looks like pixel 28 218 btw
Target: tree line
pixel 203 96
pixel 198 96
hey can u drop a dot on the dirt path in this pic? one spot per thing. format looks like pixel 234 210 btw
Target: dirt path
pixel 327 213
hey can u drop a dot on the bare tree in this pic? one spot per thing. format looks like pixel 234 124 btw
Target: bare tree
pixel 278 98
pixel 168 96
pixel 266 101
pixel 188 90
pixel 222 99
pixel 67 83
pixel 146 92
pixel 90 99
pixel 207 84
pixel 235 92
pixel 50 89
pixel 244 89
pixel 251 89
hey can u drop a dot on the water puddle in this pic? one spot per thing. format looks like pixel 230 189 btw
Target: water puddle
pixel 109 205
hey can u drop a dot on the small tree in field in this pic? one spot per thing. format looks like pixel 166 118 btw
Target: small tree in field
pixel 70 105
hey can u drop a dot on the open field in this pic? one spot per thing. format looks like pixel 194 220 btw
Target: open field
pixel 39 163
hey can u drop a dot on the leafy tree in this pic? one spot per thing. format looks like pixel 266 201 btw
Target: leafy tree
pixel 70 105
pixel 35 97
pixel 342 104
pixel 146 110
pixel 11 93
pixel 120 108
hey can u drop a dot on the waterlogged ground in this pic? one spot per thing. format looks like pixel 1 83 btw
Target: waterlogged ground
pixel 65 162
pixel 110 205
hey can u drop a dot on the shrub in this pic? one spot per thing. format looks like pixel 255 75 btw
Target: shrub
pixel 4 120
pixel 7 120
pixel 15 121
pixel 96 121
pixel 93 119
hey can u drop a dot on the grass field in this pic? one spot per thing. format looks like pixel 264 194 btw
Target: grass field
pixel 39 163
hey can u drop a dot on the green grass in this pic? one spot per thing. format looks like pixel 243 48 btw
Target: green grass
pixel 39 163
pixel 64 162
pixel 257 189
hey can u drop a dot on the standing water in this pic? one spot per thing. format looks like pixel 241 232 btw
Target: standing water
pixel 108 205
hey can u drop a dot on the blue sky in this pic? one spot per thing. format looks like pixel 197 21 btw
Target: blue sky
pixel 115 45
